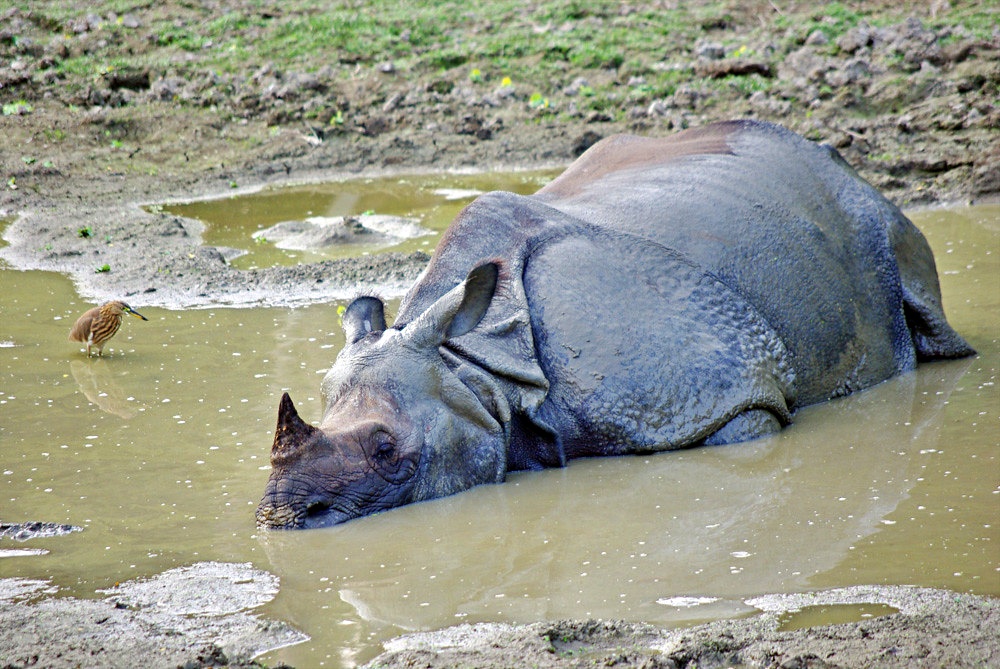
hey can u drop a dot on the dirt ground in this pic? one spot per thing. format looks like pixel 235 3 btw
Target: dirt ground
pixel 931 629
pixel 911 107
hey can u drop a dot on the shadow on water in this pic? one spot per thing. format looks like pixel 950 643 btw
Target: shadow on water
pixel 159 451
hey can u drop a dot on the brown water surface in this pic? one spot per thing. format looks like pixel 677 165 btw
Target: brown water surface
pixel 160 451
pixel 432 201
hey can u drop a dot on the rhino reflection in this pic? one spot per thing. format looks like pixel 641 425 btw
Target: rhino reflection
pixel 608 537
pixel 318 232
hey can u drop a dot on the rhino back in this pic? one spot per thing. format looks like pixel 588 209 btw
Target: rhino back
pixel 783 222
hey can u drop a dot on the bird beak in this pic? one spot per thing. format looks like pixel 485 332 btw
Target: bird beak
pixel 137 314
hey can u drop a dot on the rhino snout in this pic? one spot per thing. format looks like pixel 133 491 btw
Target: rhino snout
pixel 276 516
pixel 278 511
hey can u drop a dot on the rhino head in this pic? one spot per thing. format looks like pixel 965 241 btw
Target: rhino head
pixel 398 426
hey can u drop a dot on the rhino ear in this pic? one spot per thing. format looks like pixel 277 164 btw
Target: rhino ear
pixel 364 315
pixel 458 311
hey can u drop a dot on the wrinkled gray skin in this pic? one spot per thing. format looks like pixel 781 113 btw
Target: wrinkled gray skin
pixel 660 294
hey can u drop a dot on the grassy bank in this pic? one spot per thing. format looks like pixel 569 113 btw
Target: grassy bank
pixel 628 54
pixel 180 89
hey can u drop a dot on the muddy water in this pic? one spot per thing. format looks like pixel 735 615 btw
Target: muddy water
pixel 430 201
pixel 159 451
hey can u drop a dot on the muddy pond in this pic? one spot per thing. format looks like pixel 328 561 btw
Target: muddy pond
pixel 159 450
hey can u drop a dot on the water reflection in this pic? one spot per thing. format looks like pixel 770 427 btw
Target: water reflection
pixel 832 614
pixel 96 381
pixel 607 538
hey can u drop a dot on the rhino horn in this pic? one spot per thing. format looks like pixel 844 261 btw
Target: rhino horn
pixel 458 311
pixel 364 315
pixel 291 431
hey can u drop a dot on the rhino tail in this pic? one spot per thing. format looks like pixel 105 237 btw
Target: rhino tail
pixel 933 337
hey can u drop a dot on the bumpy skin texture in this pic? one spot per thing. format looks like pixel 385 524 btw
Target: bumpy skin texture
pixel 661 293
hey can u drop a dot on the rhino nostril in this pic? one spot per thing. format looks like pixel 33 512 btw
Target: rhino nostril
pixel 317 508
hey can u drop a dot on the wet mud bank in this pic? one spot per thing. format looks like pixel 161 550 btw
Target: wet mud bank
pixel 200 616
pixel 930 629
pixel 196 616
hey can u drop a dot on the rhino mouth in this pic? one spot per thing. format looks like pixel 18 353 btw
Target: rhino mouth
pixel 321 513
pixel 274 516
pixel 302 515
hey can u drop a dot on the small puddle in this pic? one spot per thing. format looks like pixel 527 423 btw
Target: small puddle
pixel 832 614
pixel 430 202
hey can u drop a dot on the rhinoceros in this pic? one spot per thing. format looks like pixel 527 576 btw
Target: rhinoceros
pixel 661 293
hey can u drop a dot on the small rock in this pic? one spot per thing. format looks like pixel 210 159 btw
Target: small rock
pixel 717 69
pixel 393 102
pixel 685 97
pixel 658 108
pixel 974 119
pixel 505 92
pixel 805 62
pixel 575 86
pixel 35 530
pixel 172 227
pixel 211 254
pixel 928 69
pixel 841 140
pixel 135 80
pixel 168 89
pixel 859 36
pixel 710 50
pixel 817 38
pixel 851 72
pixel 986 173
pixel 763 102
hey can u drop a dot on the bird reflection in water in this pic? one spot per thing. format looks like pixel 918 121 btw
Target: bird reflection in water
pixel 97 383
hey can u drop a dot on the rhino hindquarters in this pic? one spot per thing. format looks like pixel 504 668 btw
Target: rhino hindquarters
pixel 929 333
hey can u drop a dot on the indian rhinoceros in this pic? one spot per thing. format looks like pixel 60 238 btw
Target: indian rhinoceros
pixel 659 294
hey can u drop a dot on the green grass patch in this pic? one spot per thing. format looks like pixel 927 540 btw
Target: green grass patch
pixel 16 108
pixel 748 85
pixel 541 46
pixel 980 19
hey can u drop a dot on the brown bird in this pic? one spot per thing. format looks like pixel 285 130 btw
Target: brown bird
pixel 100 324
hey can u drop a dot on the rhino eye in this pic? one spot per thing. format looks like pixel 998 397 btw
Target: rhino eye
pixel 385 450
pixel 386 459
